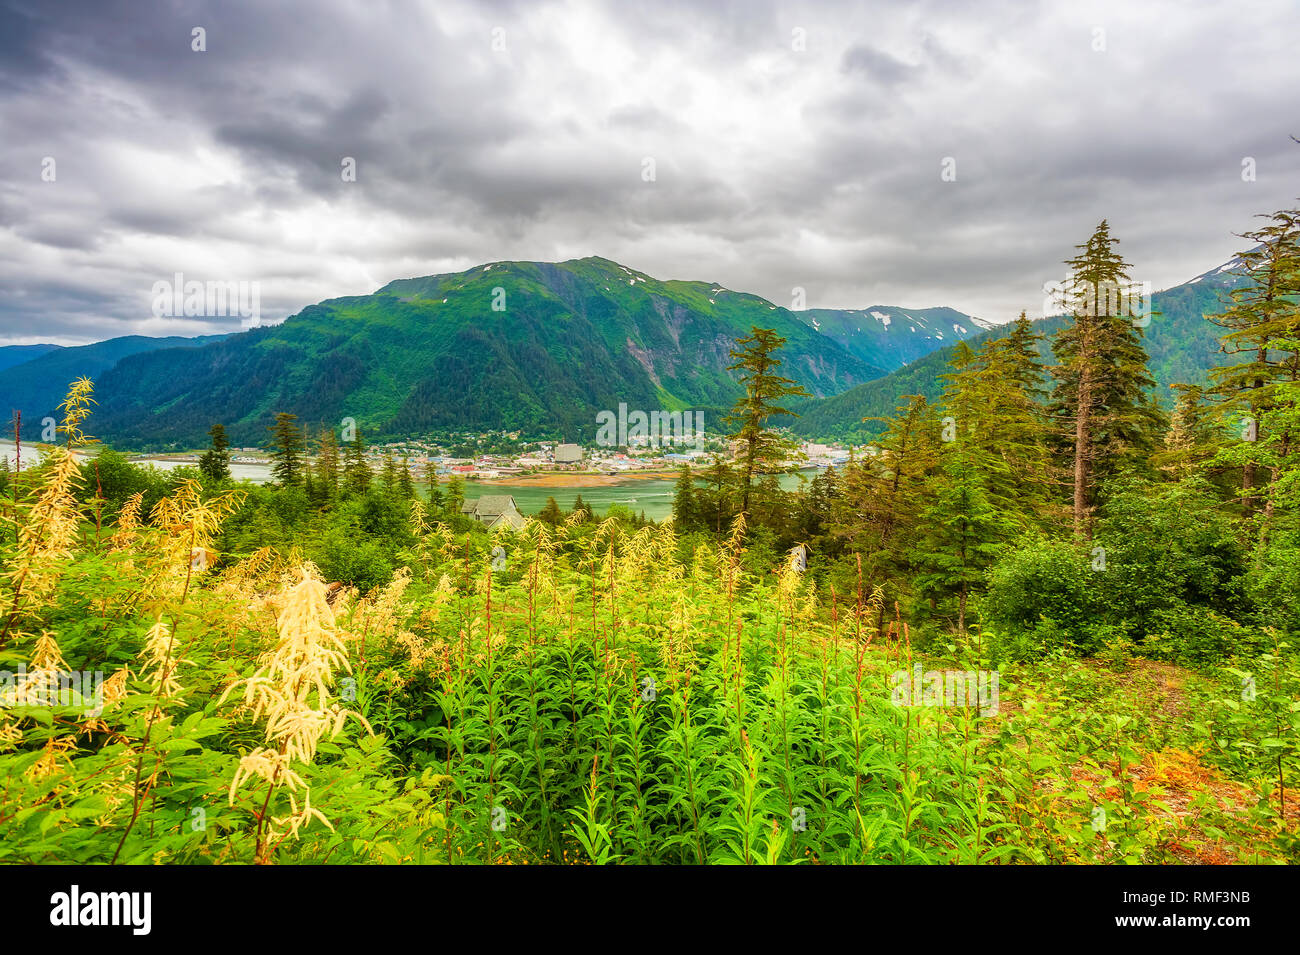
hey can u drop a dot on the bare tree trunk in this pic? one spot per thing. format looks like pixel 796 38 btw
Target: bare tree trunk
pixel 1275 471
pixel 1081 427
pixel 1248 498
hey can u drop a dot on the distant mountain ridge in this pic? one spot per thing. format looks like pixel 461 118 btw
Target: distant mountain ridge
pixel 1182 346
pixel 542 347
pixel 891 336
pixel 11 355
pixel 533 346
pixel 37 385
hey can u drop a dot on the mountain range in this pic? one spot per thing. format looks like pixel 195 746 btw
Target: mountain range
pixel 36 382
pixel 1182 346
pixel 537 347
pixel 11 355
pixel 889 336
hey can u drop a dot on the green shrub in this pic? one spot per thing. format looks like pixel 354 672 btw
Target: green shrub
pixel 1195 636
pixel 1040 597
pixel 1274 584
pixel 359 562
pixel 1167 548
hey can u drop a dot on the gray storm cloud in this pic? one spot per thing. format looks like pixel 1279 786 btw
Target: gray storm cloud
pixel 793 145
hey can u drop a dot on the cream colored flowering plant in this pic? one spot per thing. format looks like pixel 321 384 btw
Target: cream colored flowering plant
pixel 291 691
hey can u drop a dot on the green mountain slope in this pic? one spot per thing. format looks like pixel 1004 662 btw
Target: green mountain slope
pixel 432 354
pixel 35 387
pixel 1181 344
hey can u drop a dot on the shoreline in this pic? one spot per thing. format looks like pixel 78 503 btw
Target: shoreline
pixel 565 479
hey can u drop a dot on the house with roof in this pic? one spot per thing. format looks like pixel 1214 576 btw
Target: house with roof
pixel 568 454
pixel 494 510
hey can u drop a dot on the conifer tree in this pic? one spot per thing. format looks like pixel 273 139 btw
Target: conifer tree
pixel 1101 379
pixel 286 450
pixel 454 500
pixel 714 503
pixel 884 494
pixel 1193 434
pixel 356 471
pixel 388 474
pixel 405 486
pixel 551 513
pixel 1279 428
pixel 1018 352
pixel 762 449
pixel 435 492
pixel 684 501
pixel 816 513
pixel 327 463
pixel 971 509
pixel 215 462
pixel 1009 422
pixel 1262 312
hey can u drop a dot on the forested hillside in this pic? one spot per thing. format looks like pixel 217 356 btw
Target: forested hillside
pixel 533 346
pixel 1182 346
pixel 36 385
pixel 11 355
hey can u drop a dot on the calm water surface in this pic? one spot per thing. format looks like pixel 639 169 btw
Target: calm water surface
pixel 654 497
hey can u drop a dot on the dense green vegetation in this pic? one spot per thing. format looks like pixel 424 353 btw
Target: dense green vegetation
pixel 947 651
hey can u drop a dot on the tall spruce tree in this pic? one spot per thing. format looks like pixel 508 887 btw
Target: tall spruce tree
pixel 1279 429
pixel 405 485
pixel 1018 352
pixel 388 474
pixel 215 462
pixel 435 492
pixel 356 471
pixel 551 513
pixel 1101 380
pixel 327 463
pixel 762 449
pixel 971 508
pixel 885 492
pixel 454 499
pixel 684 505
pixel 715 503
pixel 1194 433
pixel 1007 387
pixel 815 513
pixel 1262 313
pixel 286 450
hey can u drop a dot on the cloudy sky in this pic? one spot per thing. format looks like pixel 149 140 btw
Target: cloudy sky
pixel 799 144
